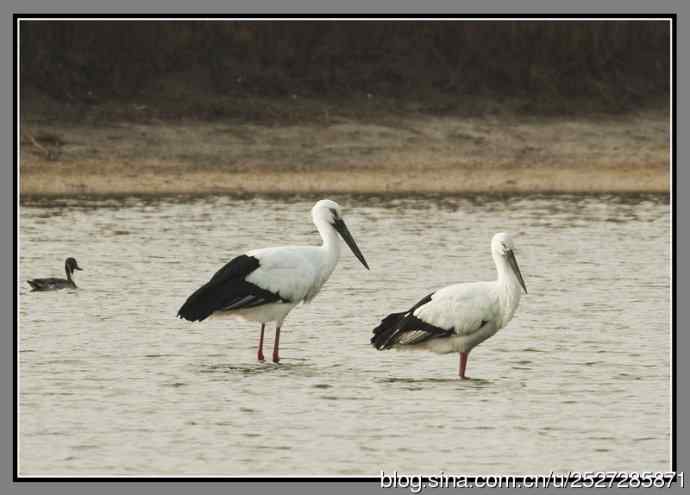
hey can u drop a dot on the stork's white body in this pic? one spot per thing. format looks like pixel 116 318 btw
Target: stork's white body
pixel 296 273
pixel 264 285
pixel 464 307
pixel 458 317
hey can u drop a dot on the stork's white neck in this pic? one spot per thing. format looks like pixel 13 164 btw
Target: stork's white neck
pixel 330 253
pixel 508 289
pixel 330 238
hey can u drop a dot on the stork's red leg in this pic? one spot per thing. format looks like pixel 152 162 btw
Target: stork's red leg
pixel 260 352
pixel 463 363
pixel 276 345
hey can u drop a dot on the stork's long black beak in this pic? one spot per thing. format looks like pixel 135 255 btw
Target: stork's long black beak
pixel 514 265
pixel 78 268
pixel 342 229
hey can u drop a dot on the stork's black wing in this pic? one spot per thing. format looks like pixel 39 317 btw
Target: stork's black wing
pixel 406 329
pixel 228 290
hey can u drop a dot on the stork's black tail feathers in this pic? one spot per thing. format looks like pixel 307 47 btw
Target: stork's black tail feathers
pixel 386 329
pixel 201 304
pixel 406 329
pixel 227 290
pixel 385 334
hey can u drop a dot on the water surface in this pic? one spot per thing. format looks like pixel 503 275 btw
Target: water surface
pixel 111 383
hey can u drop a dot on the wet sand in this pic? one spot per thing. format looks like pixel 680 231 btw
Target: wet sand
pixel 383 153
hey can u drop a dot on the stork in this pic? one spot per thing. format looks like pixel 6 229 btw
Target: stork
pixel 264 285
pixel 459 317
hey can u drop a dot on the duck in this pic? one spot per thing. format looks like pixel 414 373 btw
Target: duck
pixel 43 284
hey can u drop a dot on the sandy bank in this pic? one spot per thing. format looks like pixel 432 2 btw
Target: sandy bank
pixel 385 154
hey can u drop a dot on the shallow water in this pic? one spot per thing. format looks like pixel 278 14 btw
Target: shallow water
pixel 112 383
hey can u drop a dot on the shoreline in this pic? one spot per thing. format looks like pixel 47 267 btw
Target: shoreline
pixel 381 154
pixel 637 179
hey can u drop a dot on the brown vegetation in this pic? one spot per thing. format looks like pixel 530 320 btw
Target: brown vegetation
pixel 374 152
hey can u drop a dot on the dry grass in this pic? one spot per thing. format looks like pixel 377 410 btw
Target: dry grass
pixel 377 152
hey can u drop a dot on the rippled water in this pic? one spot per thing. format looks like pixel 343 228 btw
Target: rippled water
pixel 112 383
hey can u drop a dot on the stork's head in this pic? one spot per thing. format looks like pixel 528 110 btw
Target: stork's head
pixel 327 212
pixel 502 246
pixel 502 243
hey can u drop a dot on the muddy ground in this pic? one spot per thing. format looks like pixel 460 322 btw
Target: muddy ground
pixel 362 144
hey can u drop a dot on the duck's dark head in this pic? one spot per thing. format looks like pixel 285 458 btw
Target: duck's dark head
pixel 71 265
